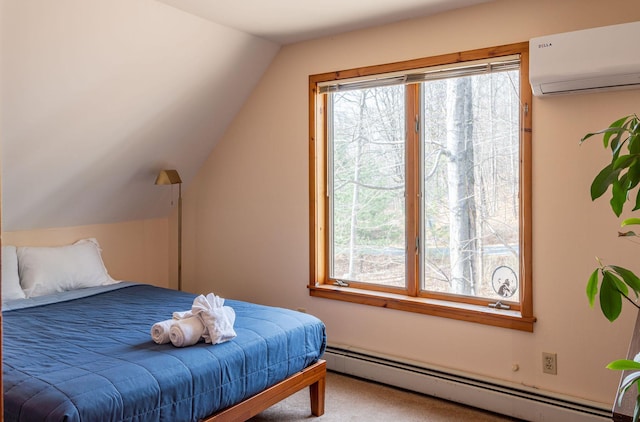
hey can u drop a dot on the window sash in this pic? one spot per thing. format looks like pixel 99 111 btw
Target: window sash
pixel 350 246
pixel 484 261
pixel 416 191
pixel 452 70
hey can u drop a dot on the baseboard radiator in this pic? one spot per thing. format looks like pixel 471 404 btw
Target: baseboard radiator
pixel 507 399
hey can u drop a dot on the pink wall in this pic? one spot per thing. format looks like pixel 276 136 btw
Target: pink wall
pixel 246 213
pixel 132 251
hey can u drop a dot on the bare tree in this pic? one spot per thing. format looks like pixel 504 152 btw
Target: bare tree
pixel 461 183
pixel 356 185
pixel 368 178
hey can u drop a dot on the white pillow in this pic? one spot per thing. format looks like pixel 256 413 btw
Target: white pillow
pixel 46 270
pixel 10 281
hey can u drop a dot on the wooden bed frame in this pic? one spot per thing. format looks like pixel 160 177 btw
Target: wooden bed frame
pixel 313 376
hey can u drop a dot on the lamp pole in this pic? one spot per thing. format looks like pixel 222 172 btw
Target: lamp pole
pixel 171 177
pixel 180 236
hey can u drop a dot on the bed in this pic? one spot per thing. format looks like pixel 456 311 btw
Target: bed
pixel 86 354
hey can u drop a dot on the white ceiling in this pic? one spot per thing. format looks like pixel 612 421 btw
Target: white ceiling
pixel 288 21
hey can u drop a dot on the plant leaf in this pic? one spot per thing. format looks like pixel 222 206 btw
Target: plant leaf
pixel 624 161
pixel 607 132
pixel 634 175
pixel 610 297
pixel 628 277
pixel 602 181
pixel 623 181
pixel 592 287
pixel 621 121
pixel 637 206
pixel 623 365
pixel 630 221
pixel 634 131
pixel 613 128
pixel 600 132
pixel 628 382
pixel 616 143
pixel 620 285
pixel 618 197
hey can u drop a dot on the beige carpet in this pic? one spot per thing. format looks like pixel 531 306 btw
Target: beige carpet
pixel 351 399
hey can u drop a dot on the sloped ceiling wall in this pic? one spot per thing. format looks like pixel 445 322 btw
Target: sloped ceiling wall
pixel 96 97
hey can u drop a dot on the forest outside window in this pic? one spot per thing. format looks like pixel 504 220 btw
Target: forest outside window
pixel 420 186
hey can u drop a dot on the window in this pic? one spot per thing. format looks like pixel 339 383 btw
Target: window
pixel 420 186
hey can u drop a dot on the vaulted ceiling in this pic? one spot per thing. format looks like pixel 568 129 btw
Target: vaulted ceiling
pixel 289 21
pixel 96 96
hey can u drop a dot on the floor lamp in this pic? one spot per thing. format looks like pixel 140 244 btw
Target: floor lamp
pixel 171 177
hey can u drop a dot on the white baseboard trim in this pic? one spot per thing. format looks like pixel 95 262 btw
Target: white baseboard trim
pixel 507 399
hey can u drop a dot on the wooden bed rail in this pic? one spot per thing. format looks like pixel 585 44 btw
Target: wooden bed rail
pixel 313 376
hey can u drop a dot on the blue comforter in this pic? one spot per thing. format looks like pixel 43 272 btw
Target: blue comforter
pixel 92 358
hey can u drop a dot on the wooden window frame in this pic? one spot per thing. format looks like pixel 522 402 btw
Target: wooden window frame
pixel 519 317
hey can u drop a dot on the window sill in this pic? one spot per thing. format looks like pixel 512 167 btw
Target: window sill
pixel 454 310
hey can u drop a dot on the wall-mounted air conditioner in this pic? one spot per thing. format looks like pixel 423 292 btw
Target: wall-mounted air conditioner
pixel 603 58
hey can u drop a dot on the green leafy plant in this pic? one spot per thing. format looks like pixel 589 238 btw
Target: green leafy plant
pixel 615 283
pixel 629 380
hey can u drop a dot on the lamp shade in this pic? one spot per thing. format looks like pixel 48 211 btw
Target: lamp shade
pixel 168 177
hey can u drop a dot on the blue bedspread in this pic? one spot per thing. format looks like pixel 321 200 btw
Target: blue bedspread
pixel 92 359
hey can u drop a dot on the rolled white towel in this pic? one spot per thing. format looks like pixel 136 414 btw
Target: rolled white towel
pixel 182 314
pixel 219 324
pixel 204 303
pixel 160 331
pixel 186 332
pixel 217 318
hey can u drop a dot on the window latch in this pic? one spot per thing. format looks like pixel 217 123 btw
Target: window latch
pixel 499 305
pixel 341 283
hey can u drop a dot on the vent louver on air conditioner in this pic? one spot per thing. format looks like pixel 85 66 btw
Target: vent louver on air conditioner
pixel 603 58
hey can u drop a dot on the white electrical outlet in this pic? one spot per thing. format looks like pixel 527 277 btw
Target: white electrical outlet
pixel 550 363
